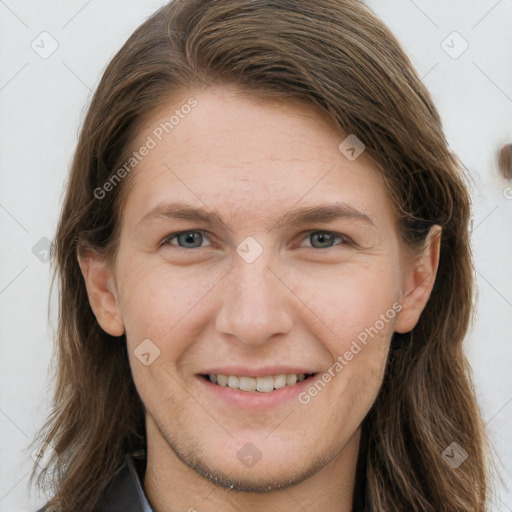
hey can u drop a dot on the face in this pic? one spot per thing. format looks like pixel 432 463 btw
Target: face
pixel 253 251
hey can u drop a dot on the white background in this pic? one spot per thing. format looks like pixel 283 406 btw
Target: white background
pixel 42 103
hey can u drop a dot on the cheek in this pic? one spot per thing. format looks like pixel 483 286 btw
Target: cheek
pixel 353 301
pixel 157 298
pixel 357 307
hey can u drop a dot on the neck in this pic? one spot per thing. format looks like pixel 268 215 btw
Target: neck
pixel 173 486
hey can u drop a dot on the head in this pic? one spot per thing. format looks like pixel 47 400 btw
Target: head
pixel 248 111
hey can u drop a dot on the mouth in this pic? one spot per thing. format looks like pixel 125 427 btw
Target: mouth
pixel 264 384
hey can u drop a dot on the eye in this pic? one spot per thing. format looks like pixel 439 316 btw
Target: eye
pixel 186 239
pixel 192 239
pixel 325 239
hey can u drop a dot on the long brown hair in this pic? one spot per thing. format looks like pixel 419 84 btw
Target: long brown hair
pixel 338 57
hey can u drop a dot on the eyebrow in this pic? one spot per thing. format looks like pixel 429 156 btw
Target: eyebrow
pixel 297 217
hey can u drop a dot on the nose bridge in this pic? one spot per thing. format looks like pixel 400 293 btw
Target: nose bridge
pixel 255 303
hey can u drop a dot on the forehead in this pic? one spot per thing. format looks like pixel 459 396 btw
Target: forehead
pixel 248 156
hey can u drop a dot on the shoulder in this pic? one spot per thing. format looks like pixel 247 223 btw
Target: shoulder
pixel 122 494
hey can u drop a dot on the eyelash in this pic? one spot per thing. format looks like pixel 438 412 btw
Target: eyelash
pixel 346 240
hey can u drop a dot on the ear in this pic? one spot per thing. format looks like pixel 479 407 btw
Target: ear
pixel 419 280
pixel 101 290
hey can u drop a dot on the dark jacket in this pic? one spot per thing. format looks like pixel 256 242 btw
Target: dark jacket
pixel 125 493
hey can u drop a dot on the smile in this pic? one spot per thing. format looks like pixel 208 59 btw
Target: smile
pixel 264 384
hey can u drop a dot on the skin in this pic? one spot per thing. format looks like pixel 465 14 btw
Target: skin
pixel 301 302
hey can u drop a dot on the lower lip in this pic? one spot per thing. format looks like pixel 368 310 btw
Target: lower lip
pixel 256 399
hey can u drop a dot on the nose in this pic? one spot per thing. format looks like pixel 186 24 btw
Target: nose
pixel 255 302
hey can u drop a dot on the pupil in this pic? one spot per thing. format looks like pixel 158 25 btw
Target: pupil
pixel 324 237
pixel 189 237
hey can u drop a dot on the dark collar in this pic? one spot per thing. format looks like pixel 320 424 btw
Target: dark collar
pixel 126 493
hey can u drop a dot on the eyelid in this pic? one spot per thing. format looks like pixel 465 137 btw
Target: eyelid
pixel 345 238
pixel 166 239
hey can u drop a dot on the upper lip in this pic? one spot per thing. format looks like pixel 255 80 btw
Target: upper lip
pixel 262 371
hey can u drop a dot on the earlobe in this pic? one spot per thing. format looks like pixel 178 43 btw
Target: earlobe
pixel 101 291
pixel 419 282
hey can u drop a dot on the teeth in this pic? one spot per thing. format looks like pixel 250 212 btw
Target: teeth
pixel 233 382
pixel 261 384
pixel 279 381
pixel 291 379
pixel 222 380
pixel 247 384
pixel 265 384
